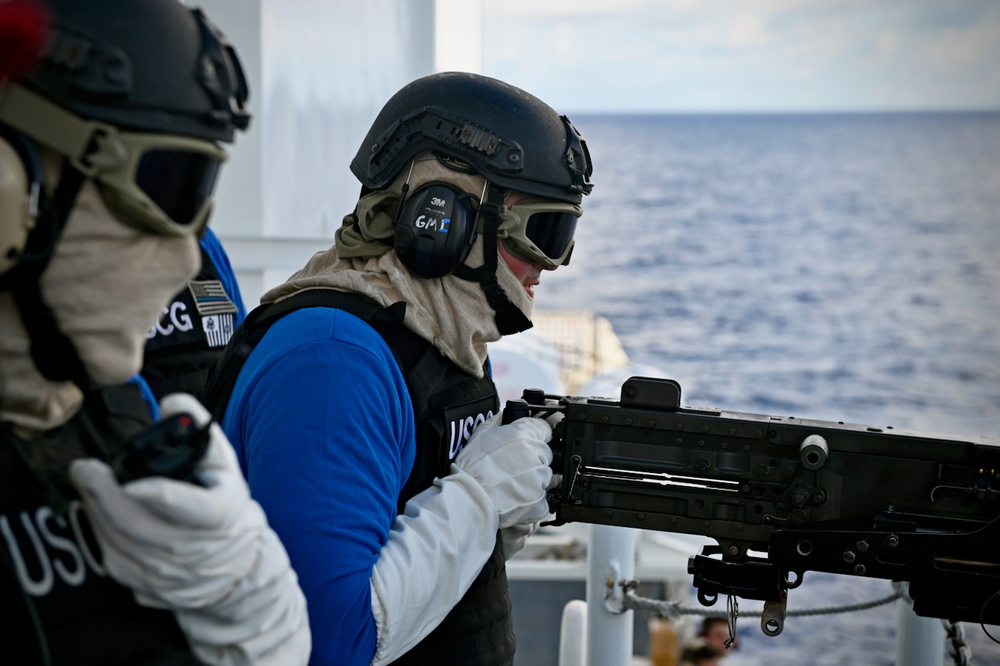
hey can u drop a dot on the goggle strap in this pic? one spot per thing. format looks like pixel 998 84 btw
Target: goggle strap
pixel 52 352
pixel 489 214
pixel 43 237
pixel 66 133
pixel 509 319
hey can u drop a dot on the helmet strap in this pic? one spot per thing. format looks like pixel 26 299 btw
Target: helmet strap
pixel 509 319
pixel 52 352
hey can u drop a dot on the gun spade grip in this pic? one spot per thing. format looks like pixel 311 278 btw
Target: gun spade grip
pixel 514 410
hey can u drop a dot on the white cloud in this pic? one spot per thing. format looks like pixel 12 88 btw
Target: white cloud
pixel 744 30
pixel 954 46
pixel 534 9
pixel 737 55
pixel 888 42
pixel 565 44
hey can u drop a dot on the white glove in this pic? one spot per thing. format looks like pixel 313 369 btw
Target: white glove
pixel 511 463
pixel 435 550
pixel 445 534
pixel 205 553
pixel 513 538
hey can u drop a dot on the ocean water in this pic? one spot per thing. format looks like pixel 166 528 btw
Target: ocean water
pixel 838 267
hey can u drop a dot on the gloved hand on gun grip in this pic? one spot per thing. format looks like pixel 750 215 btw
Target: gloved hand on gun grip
pixel 554 419
pixel 205 552
pixel 511 463
pixel 514 537
pixel 438 545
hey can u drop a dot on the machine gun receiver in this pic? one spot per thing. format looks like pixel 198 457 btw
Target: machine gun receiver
pixel 782 496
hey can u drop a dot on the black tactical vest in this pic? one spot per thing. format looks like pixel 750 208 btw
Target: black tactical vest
pixel 62 608
pixel 185 345
pixel 447 405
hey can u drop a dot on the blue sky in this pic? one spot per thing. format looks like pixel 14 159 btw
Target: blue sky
pixel 747 55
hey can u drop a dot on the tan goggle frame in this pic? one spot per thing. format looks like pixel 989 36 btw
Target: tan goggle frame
pixel 108 156
pixel 514 223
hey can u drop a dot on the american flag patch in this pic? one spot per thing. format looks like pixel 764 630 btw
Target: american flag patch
pixel 210 298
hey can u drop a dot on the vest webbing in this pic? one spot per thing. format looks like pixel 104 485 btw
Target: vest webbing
pixel 407 347
pixel 479 630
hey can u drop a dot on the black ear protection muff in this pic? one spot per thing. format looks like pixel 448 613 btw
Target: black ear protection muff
pixel 21 192
pixel 435 228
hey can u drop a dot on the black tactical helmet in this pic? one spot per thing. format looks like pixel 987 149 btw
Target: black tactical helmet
pixel 509 136
pixel 145 65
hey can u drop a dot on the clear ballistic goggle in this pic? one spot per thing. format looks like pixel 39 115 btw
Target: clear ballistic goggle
pixel 540 230
pixel 158 183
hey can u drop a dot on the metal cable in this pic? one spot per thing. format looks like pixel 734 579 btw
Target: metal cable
pixel 674 610
pixel 960 650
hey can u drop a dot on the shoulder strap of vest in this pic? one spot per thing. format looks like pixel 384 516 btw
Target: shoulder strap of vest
pixel 415 356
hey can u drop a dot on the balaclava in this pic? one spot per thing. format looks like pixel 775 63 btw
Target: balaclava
pixel 107 284
pixel 451 313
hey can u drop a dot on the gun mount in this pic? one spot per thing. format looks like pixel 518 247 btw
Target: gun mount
pixel 783 496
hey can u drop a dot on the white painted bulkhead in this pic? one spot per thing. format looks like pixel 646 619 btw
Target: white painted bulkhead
pixel 318 71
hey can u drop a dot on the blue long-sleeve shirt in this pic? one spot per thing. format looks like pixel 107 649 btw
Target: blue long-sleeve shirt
pixel 323 427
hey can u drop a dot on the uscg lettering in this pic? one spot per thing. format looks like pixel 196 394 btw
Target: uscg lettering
pixel 48 549
pixel 461 429
pixel 175 317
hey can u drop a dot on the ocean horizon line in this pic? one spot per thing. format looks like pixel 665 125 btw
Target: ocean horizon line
pixel 779 113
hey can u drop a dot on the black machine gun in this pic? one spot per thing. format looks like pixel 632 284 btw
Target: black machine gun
pixel 782 496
